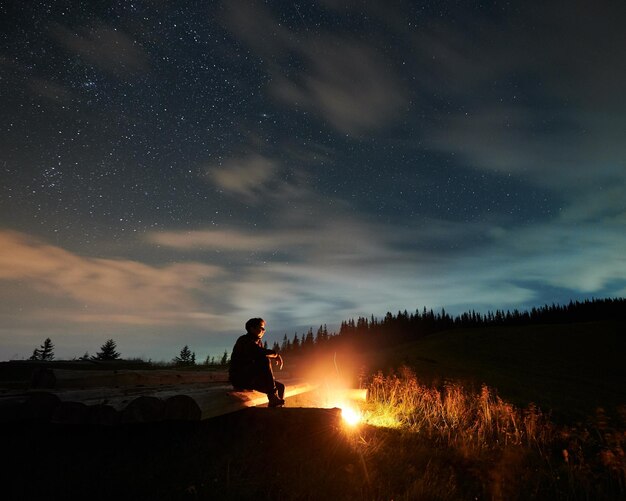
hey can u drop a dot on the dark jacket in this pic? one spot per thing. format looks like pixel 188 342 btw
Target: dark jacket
pixel 248 360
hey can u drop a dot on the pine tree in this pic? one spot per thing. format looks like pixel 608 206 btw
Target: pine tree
pixel 322 335
pixel 224 360
pixel 308 340
pixel 186 357
pixel 45 352
pixel 107 351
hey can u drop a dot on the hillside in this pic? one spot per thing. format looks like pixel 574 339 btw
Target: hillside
pixel 569 368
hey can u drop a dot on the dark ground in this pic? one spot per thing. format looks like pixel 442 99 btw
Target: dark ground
pixel 257 453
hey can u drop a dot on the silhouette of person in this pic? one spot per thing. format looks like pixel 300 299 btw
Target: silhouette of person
pixel 251 364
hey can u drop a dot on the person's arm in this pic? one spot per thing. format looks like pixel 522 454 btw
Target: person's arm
pixel 271 354
pixel 277 358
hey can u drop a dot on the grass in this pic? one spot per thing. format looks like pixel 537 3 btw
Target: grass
pixel 453 443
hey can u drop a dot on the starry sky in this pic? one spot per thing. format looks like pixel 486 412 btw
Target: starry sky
pixel 170 169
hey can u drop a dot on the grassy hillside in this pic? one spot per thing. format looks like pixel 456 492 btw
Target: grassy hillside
pixel 570 368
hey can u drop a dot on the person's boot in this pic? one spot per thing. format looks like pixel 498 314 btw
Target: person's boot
pixel 274 401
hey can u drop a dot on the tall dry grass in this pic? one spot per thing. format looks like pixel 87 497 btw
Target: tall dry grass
pixel 486 447
pixel 453 415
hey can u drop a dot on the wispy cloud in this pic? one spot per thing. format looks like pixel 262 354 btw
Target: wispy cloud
pixel 115 290
pixel 346 81
pixel 338 240
pixel 582 257
pixel 106 47
pixel 249 176
pixel 547 108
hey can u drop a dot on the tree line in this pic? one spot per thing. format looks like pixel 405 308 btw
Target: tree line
pixel 394 329
pixel 186 357
pixel 405 327
pixel 108 351
pixel 45 353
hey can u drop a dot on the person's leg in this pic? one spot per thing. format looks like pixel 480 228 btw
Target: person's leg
pixel 280 389
pixel 264 382
pixel 263 379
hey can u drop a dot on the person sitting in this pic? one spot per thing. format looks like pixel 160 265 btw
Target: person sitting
pixel 251 366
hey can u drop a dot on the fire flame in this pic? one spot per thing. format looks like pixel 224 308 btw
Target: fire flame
pixel 350 415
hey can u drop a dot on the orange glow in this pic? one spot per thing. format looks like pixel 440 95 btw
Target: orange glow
pixel 350 415
pixel 335 379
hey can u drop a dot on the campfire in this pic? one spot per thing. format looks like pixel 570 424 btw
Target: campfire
pixel 348 401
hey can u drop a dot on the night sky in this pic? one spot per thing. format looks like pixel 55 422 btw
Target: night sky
pixel 170 169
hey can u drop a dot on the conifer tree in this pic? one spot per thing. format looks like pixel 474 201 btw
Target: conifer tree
pixel 308 340
pixel 224 360
pixel 107 351
pixel 186 357
pixel 45 352
pixel 319 336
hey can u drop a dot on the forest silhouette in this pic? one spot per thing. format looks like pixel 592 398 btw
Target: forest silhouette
pixel 404 327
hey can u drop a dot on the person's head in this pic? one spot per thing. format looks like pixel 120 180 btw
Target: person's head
pixel 256 327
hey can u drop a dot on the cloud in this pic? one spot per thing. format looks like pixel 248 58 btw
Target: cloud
pixel 105 47
pixel 337 240
pixel 335 265
pixel 351 85
pixel 302 275
pixel 568 153
pixel 501 139
pixel 584 257
pixel 248 176
pixel 112 290
pixel 546 108
pixel 346 81
pixel 255 26
pixel 229 240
